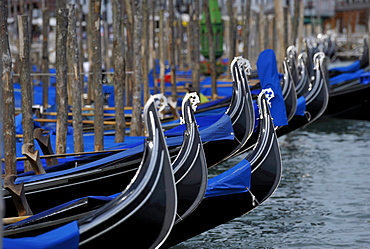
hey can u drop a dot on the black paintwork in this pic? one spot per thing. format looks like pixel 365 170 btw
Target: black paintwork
pixel 265 160
pixel 190 174
pixel 190 168
pixel 241 113
pixel 289 91
pixel 147 205
pixel 316 99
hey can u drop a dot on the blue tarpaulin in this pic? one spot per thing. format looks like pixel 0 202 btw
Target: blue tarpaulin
pixel 355 66
pixel 37 95
pixel 220 129
pixel 63 206
pixel 269 79
pixel 346 77
pixel 301 106
pixel 365 78
pixel 63 237
pixel 233 181
pixel 91 165
pixel 204 120
pixel 214 127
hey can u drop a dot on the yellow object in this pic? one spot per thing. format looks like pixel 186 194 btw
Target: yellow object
pixel 203 99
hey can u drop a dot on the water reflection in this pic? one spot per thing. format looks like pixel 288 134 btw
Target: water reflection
pixel 323 200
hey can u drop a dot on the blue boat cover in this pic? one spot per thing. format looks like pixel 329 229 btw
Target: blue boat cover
pixel 63 237
pixel 109 143
pixel 91 165
pixel 269 79
pixel 346 77
pixel 365 78
pixel 220 121
pixel 355 66
pixel 233 181
pixel 37 95
pixel 221 129
pixel 213 127
pixel 18 124
pixel 301 106
pixel 66 205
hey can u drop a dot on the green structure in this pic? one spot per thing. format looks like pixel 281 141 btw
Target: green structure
pixel 217 28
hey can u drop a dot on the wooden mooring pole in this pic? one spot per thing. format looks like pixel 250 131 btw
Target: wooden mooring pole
pixel 246 28
pixel 8 95
pixel 75 83
pixel 195 44
pixel 27 98
pixel 300 27
pixel 16 190
pixel 136 128
pixel 61 80
pixel 119 70
pixel 45 58
pixel 280 50
pixel 262 28
pixel 212 52
pixel 95 6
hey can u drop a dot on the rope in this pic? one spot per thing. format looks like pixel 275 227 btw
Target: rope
pixel 254 199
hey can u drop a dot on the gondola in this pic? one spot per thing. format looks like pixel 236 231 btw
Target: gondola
pixel 350 89
pixel 348 93
pixel 298 72
pixel 281 93
pixel 351 102
pixel 287 106
pixel 110 173
pixel 289 91
pixel 316 99
pixel 241 112
pixel 238 190
pixel 270 85
pixel 190 167
pixel 146 206
pixel 284 100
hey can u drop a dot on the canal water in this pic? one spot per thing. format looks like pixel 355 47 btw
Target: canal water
pixel 323 200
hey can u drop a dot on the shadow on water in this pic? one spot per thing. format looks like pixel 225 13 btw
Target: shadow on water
pixel 323 200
